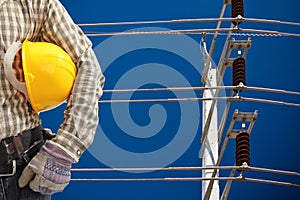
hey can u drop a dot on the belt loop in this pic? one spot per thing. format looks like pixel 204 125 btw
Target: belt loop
pixel 10 149
pixel 14 148
pixel 19 148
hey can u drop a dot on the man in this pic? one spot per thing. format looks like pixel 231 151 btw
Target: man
pixel 47 172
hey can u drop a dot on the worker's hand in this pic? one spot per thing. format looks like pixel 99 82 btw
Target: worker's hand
pixel 49 171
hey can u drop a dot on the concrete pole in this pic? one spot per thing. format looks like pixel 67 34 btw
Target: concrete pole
pixel 210 147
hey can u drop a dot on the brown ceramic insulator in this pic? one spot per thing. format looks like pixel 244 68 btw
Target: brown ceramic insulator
pixel 242 153
pixel 237 8
pixel 238 72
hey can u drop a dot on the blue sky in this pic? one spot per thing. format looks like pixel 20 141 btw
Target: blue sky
pixel 271 62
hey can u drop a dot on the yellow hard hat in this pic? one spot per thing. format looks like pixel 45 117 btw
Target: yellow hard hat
pixel 48 70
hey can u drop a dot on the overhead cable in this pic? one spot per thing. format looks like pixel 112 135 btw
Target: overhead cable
pixel 195 20
pixel 154 169
pixel 196 168
pixel 235 98
pixel 150 179
pixel 239 178
pixel 261 89
pixel 193 31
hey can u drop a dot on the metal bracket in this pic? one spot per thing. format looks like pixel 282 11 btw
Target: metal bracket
pixel 239 45
pixel 227 2
pixel 237 116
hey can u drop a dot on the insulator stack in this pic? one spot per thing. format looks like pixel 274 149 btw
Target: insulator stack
pixel 239 71
pixel 237 8
pixel 242 153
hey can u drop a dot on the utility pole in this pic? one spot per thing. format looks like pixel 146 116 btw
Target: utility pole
pixel 210 146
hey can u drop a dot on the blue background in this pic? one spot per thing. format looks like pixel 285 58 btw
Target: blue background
pixel 272 62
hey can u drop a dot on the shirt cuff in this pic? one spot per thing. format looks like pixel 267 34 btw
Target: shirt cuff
pixel 72 145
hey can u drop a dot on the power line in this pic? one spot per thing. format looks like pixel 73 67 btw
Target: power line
pixel 195 168
pixel 154 169
pixel 155 22
pixel 208 33
pixel 149 179
pixel 161 100
pixel 244 179
pixel 195 20
pixel 239 178
pixel 261 89
pixel 235 98
pixel 195 31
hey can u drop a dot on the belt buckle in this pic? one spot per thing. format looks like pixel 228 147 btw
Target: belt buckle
pixel 14 169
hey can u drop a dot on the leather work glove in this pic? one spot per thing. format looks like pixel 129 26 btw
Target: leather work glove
pixel 49 171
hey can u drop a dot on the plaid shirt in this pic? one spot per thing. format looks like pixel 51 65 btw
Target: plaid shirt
pixel 48 21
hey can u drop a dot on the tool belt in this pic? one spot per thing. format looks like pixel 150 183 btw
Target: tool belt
pixel 17 151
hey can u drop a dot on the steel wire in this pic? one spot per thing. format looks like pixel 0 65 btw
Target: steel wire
pixel 195 20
